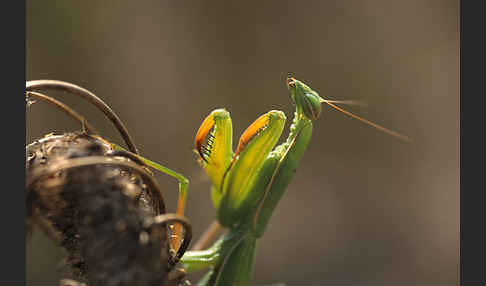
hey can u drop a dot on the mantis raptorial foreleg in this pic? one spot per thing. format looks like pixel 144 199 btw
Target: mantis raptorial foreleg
pixel 248 184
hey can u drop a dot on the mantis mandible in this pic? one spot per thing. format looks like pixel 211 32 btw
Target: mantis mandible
pixel 247 184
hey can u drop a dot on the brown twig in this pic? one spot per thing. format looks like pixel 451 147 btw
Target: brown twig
pixel 90 97
pixel 68 110
pixel 208 236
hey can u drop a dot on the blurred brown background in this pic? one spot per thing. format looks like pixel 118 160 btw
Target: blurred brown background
pixel 363 208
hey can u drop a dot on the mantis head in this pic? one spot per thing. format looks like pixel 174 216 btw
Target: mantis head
pixel 306 100
pixel 308 103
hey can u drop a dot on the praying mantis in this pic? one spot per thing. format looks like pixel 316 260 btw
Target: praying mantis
pixel 248 183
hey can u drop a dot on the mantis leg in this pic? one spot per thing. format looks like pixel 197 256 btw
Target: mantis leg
pixel 183 186
pixel 216 256
pixel 289 155
pixel 200 259
pixel 231 260
pixel 237 267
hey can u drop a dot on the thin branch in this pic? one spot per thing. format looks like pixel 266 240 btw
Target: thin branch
pixel 68 110
pixel 208 236
pixel 90 97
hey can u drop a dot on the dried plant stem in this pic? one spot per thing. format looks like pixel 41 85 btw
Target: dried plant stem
pixel 208 236
pixel 99 160
pixel 90 97
pixel 68 110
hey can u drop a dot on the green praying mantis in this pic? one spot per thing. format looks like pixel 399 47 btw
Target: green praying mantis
pixel 248 183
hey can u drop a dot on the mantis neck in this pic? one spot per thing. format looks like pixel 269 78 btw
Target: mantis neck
pixel 298 123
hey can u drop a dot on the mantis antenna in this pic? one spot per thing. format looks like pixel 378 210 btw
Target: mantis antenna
pixel 347 102
pixel 379 127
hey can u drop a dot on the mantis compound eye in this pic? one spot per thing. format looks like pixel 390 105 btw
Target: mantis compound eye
pixel 311 105
pixel 307 100
pixel 290 82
